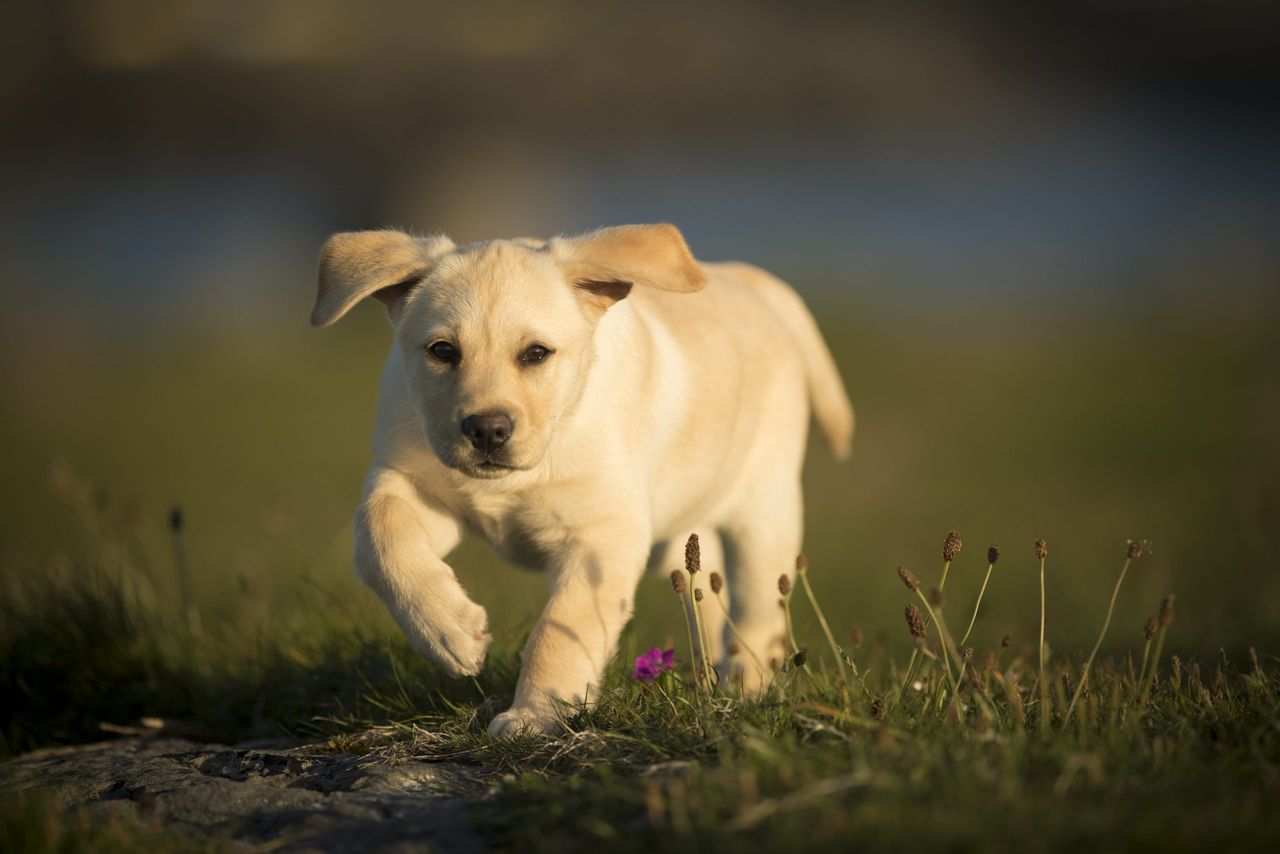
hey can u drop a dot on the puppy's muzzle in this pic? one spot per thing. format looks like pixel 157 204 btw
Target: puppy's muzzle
pixel 487 431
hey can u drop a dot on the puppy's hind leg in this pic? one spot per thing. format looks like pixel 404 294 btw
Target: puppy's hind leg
pixel 761 541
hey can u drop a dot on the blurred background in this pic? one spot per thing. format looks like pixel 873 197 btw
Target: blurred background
pixel 1041 240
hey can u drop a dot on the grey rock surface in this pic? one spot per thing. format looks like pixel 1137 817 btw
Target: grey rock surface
pixel 293 799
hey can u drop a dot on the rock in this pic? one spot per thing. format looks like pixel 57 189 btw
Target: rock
pixel 295 799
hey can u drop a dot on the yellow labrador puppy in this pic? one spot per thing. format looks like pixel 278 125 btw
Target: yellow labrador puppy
pixel 580 402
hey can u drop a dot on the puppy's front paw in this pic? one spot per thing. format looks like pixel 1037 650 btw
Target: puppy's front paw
pixel 466 639
pixel 526 721
pixel 456 636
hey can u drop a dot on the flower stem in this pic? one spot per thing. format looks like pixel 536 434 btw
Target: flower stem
pixel 701 654
pixel 1106 624
pixel 906 682
pixel 688 630
pixel 977 605
pixel 1044 685
pixel 733 627
pixel 803 572
pixel 1146 654
pixel 1155 667
pixel 708 669
pixel 945 639
pixel 791 635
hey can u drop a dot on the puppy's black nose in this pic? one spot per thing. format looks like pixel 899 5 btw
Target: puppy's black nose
pixel 487 431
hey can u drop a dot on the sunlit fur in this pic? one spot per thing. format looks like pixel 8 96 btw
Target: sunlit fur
pixel 677 398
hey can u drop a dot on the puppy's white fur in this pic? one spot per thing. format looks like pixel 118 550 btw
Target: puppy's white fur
pixel 676 397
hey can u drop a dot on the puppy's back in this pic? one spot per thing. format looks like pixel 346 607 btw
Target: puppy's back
pixel 827 396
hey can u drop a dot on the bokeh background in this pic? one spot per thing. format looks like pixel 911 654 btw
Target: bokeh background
pixel 1042 242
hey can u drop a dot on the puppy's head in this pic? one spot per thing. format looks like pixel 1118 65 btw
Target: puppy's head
pixel 497 337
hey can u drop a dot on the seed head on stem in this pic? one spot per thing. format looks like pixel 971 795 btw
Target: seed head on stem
pixel 1134 550
pixel 784 584
pixel 908 578
pixel 951 545
pixel 678 583
pixel 717 583
pixel 1166 612
pixel 1005 641
pixel 915 621
pixel 993 554
pixel 1042 549
pixel 697 595
pixel 1149 630
pixel 692 555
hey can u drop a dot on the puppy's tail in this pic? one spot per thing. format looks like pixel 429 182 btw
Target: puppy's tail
pixel 827 397
pixel 831 407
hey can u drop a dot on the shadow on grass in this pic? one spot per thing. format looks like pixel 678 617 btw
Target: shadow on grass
pixel 79 660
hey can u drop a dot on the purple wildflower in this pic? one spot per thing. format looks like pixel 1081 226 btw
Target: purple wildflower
pixel 651 665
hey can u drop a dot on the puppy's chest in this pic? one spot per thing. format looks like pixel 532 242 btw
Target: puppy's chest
pixel 522 529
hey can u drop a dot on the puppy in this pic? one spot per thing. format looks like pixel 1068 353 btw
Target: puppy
pixel 581 402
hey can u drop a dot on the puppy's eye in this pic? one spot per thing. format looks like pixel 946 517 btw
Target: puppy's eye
pixel 443 351
pixel 535 353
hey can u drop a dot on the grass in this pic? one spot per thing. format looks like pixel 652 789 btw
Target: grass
pixel 249 623
pixel 840 748
pixel 38 823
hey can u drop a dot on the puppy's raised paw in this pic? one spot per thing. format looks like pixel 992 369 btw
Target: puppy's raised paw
pixel 456 637
pixel 516 722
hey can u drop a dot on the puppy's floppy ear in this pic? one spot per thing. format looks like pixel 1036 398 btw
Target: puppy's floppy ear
pixel 603 265
pixel 384 264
